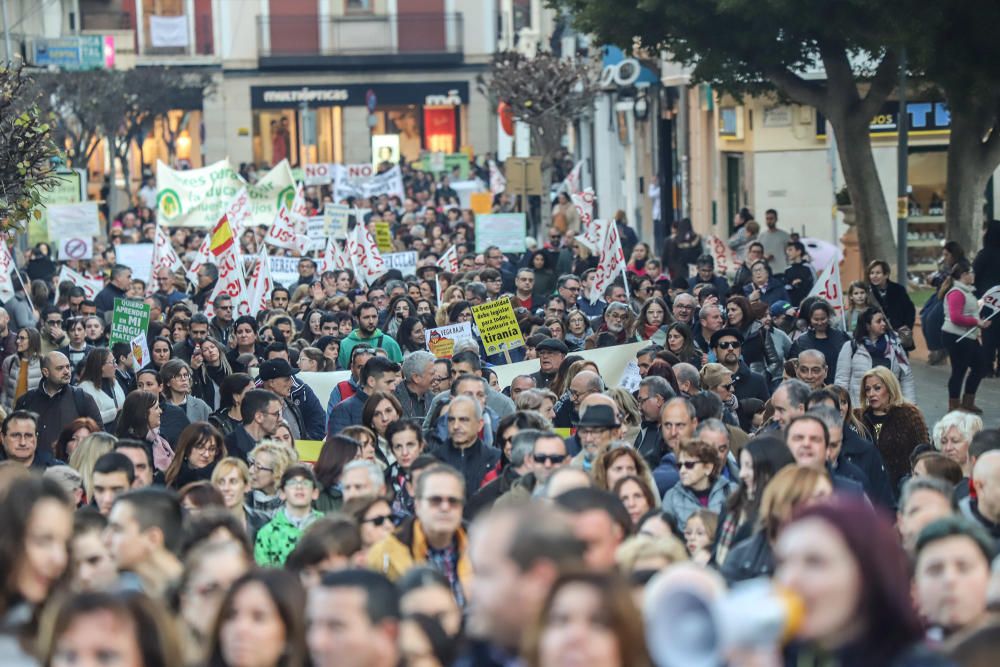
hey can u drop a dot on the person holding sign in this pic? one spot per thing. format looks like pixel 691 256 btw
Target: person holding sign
pixel 961 338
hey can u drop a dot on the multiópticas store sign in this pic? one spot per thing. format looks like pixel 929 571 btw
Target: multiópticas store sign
pixel 349 95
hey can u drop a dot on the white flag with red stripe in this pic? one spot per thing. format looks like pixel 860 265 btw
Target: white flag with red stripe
pixel 239 211
pixel 449 260
pixel 571 183
pixel 610 263
pixel 828 288
pixel 333 258
pixel 365 257
pixel 261 283
pixel 592 231
pixel 290 227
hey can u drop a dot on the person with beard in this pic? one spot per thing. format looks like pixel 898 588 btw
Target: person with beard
pixel 368 332
pixel 616 322
pixel 727 344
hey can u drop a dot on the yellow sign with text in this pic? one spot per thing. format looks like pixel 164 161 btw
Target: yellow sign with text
pixel 497 326
pixel 383 237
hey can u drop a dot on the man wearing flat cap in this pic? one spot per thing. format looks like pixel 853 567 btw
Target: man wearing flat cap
pixel 551 353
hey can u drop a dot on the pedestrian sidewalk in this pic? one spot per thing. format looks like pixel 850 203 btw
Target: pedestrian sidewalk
pixel 932 393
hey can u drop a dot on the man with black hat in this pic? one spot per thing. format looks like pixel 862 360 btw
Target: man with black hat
pixel 596 428
pixel 727 344
pixel 551 353
pixel 276 376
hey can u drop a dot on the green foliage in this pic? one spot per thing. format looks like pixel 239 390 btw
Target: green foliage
pixel 28 155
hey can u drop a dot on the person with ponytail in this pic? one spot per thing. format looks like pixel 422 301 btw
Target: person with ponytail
pixel 961 331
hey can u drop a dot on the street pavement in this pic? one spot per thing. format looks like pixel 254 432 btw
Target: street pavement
pixel 932 393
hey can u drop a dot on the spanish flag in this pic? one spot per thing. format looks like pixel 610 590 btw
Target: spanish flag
pixel 222 237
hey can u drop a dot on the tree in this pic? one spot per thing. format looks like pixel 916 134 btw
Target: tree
pixel 954 47
pixel 28 155
pixel 766 46
pixel 546 93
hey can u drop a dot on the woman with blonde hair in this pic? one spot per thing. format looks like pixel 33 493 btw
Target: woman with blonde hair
pixel 542 401
pixel 232 478
pixel 629 409
pixel 85 456
pixel 644 552
pixel 896 425
pixel 267 462
pixel 792 487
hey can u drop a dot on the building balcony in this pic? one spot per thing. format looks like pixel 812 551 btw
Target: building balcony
pixel 399 40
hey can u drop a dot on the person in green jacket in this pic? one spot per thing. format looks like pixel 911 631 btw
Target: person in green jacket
pixel 279 536
pixel 369 333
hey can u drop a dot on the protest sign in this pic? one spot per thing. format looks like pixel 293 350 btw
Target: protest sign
pixel 308 450
pixel 389 183
pixel 275 189
pixel 335 219
pixel 195 197
pixel 284 270
pixel 138 257
pixel 6 266
pixel 319 173
pixel 611 262
pixel 497 326
pixel 504 230
pixel 90 287
pixel 828 288
pixel 725 258
pixel 497 181
pixel 449 260
pixel 611 362
pixel 349 179
pixel 571 184
pixel 240 211
pixel 404 262
pixel 383 237
pixel 441 341
pixel 76 220
pixel 128 320
pixel 140 350
pixel 76 247
pixel 261 283
pixel 365 257
pixel 316 231
pixel 465 190
pixel 68 187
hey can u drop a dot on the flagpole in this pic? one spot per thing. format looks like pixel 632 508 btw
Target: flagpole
pixel 967 333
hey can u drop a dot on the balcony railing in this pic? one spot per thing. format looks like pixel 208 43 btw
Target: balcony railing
pixel 398 34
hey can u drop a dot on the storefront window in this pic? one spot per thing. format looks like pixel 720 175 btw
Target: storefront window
pixel 276 136
pixel 440 129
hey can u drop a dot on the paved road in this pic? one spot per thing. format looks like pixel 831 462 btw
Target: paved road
pixel 932 394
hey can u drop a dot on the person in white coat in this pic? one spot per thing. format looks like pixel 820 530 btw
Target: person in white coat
pixel 874 344
pixel 98 379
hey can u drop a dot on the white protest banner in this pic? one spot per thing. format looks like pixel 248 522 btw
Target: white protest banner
pixel 195 197
pixel 348 179
pixel 203 256
pixel 389 182
pixel 571 183
pixel 404 262
pixel 76 220
pixel 336 217
pixel 725 258
pixel 449 260
pixel 319 173
pixel 610 263
pixel 316 232
pixel 828 288
pixel 90 287
pixel 503 230
pixel 364 254
pixel 140 350
pixel 164 255
pixel 260 283
pixel 583 202
pixel 334 258
pixel 283 232
pixel 992 298
pixel 284 270
pixel 275 189
pixel 821 253
pixel 76 247
pixel 240 211
pixel 611 362
pixel 138 257
pixel 6 266
pixel 497 181
pixel 223 245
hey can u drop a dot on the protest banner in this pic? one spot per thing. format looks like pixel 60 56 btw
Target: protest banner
pixel 316 232
pixel 611 262
pixel 452 161
pixel 240 211
pixel 389 182
pixel 335 219
pixel 571 184
pixel 441 340
pixel 224 248
pixel 364 254
pixel 164 256
pixel 725 258
pixel 69 186
pixel 6 266
pixel 404 262
pixel 272 191
pixel 138 257
pixel 611 361
pixel 129 319
pixel 828 288
pixel 77 220
pixel 503 230
pixel 284 270
pixel 349 179
pixel 308 450
pixel 195 197
pixel 261 283
pixel 498 327
pixel 90 287
pixel 449 260
pixel 383 237
pixel 290 228
pixel 497 181
pixel 140 350
pixel 583 202
pixel 75 247
pixel 319 173
pixel 203 256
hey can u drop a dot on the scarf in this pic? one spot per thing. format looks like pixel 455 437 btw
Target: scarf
pixel 649 330
pixel 879 347
pixel 22 380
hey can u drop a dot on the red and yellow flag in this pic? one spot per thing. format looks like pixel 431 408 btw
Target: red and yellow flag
pixel 222 237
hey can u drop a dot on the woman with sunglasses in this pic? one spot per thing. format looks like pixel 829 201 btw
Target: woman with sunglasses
pixel 374 517
pixel 267 462
pixel 701 486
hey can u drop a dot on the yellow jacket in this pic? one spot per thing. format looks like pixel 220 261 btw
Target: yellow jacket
pixel 407 548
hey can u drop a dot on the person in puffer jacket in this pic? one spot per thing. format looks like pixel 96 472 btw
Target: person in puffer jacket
pixel 701 486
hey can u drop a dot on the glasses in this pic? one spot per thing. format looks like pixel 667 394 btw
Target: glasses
pixel 299 483
pixel 207 447
pixel 254 465
pixel 554 459
pixel 183 376
pixel 440 501
pixel 728 386
pixel 688 465
pixel 378 520
pixel 728 345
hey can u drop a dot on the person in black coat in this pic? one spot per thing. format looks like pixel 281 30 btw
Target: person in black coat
pixel 891 297
pixel 987 269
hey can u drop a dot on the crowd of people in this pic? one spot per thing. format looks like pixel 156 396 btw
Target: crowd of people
pixel 164 515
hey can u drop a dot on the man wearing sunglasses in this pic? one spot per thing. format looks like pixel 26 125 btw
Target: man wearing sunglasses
pixel 434 536
pixel 727 344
